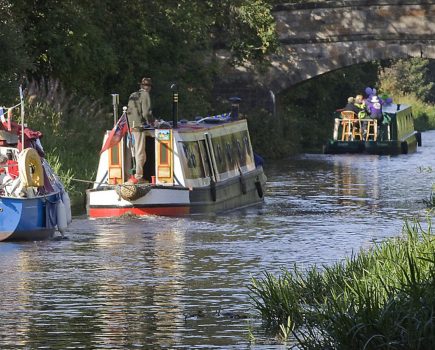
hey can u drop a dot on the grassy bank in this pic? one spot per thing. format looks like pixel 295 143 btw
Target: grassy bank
pixel 424 113
pixel 379 299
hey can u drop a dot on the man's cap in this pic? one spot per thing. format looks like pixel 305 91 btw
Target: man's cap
pixel 146 81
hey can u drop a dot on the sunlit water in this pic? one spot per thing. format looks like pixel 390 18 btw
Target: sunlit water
pixel 168 283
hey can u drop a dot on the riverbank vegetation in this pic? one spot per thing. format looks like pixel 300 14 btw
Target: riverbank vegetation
pixel 381 298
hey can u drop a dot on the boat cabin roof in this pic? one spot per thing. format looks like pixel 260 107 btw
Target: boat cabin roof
pixel 205 124
pixel 394 108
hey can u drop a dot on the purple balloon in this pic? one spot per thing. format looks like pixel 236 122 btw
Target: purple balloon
pixel 389 100
pixel 368 91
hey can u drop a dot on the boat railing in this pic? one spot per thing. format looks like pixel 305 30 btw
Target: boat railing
pixel 339 130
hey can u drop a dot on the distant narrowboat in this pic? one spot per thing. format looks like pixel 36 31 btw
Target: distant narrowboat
pixel 395 135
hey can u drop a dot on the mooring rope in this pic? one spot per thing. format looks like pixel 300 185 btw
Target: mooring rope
pixel 7 108
pixel 125 184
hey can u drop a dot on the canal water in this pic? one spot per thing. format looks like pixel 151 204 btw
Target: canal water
pixel 171 283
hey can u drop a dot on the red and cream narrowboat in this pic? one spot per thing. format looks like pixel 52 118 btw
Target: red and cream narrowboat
pixel 202 166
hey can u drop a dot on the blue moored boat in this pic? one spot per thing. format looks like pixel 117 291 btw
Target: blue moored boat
pixel 33 200
pixel 25 218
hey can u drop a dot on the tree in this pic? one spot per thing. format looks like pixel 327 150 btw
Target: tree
pixel 405 77
pixel 94 47
pixel 14 60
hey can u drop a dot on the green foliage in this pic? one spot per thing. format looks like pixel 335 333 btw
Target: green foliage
pixel 424 112
pixel 406 77
pixel 13 60
pixel 380 297
pixel 249 28
pixel 96 47
pixel 65 175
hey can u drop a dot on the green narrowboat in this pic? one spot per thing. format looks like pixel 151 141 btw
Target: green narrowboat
pixel 394 135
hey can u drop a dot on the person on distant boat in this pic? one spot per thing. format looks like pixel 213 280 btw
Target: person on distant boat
pixel 362 111
pixel 360 106
pixel 375 108
pixel 351 106
pixel 139 115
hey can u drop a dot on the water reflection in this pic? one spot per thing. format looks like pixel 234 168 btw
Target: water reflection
pixel 167 283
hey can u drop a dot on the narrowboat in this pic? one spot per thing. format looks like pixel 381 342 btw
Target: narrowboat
pixel 192 167
pixel 395 135
pixel 33 201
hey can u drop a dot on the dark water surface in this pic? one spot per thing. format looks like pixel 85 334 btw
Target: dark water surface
pixel 168 283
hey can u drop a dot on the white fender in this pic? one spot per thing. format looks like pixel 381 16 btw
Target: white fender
pixel 61 217
pixel 67 203
pixel 5 179
pixel 15 187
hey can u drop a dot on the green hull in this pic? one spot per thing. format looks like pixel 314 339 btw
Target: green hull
pixel 339 147
pixel 373 147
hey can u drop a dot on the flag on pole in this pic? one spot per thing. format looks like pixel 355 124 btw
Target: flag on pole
pixel 6 123
pixel 9 119
pixel 117 133
pixel 2 118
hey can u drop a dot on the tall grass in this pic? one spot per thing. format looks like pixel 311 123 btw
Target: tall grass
pixel 424 113
pixel 72 130
pixel 382 298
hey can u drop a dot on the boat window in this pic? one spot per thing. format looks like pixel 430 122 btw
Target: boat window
pixel 164 153
pixel 114 155
pixel 247 148
pixel 219 149
pixel 206 163
pixel 245 144
pixel 229 152
pixel 191 161
pixel 190 157
pixel 219 153
pixel 240 152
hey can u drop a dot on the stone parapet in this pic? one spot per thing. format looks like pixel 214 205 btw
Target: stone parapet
pixel 319 37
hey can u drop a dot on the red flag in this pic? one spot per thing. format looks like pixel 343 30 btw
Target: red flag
pixel 116 134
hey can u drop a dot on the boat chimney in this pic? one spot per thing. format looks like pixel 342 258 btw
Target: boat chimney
pixel 115 103
pixel 235 103
pixel 398 106
pixel 174 89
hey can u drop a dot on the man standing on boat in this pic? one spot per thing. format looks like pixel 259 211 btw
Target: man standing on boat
pixel 139 114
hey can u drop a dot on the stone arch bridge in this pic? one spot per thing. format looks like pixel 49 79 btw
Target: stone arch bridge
pixel 318 37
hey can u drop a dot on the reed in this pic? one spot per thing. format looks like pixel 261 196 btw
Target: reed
pixel 424 112
pixel 73 128
pixel 381 298
pixel 430 202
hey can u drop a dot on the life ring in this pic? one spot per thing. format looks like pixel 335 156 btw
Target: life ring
pixel 30 168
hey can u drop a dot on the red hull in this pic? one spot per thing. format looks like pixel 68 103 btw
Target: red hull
pixel 113 212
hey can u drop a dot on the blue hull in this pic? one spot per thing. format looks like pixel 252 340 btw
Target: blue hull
pixel 26 218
